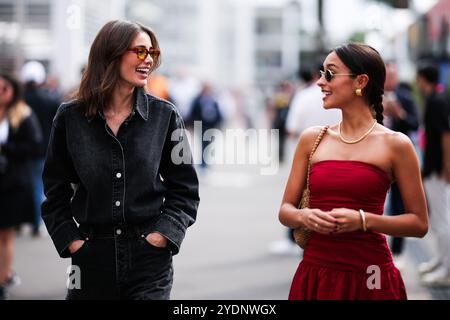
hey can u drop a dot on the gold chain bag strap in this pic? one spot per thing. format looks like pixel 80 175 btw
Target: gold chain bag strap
pixel 302 234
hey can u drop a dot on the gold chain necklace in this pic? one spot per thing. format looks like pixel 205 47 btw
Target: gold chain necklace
pixel 357 140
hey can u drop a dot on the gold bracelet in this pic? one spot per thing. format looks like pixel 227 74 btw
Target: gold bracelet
pixel 363 218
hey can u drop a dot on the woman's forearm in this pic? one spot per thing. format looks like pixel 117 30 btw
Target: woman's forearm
pixel 404 225
pixel 290 216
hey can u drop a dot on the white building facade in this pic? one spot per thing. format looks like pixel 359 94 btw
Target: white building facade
pixel 57 33
pixel 229 42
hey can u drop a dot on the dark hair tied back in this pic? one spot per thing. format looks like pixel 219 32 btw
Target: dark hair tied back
pixel 379 110
pixel 363 59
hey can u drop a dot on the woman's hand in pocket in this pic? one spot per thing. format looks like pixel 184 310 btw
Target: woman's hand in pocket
pixel 75 246
pixel 156 240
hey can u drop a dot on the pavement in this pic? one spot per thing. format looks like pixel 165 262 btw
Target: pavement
pixel 225 253
pixel 418 251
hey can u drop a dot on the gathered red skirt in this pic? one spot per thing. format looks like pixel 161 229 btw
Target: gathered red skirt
pixel 314 282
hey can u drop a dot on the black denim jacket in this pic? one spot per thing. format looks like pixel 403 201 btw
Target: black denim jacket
pixel 129 179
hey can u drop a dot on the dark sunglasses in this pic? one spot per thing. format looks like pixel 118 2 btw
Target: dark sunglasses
pixel 142 53
pixel 328 74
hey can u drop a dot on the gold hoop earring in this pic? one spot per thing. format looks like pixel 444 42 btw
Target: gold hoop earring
pixel 358 92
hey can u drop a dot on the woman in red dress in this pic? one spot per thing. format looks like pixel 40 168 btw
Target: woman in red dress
pixel 347 256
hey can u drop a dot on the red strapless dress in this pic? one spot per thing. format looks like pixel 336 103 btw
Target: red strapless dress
pixel 337 266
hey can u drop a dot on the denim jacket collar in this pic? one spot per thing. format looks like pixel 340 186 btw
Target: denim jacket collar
pixel 140 105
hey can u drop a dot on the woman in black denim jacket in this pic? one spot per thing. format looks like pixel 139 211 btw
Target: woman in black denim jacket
pixel 120 185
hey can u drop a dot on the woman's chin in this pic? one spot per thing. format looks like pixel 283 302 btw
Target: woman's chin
pixel 139 83
pixel 328 106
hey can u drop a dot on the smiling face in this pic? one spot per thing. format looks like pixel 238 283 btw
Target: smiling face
pixel 341 89
pixel 133 71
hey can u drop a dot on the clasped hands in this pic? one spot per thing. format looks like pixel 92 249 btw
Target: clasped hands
pixel 335 221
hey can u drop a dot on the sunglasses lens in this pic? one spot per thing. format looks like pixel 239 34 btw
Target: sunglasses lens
pixel 141 53
pixel 154 53
pixel 327 74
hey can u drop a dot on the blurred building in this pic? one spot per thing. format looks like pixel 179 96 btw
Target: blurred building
pixel 230 42
pixel 429 36
pixel 57 33
pixel 429 39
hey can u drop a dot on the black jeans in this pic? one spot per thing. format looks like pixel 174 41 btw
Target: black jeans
pixel 119 263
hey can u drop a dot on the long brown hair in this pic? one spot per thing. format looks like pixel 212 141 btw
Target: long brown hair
pixel 102 71
pixel 363 59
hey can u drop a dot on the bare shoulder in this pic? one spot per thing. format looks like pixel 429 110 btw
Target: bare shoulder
pixel 310 135
pixel 399 143
pixel 307 139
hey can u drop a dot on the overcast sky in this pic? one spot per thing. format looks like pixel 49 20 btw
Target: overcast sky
pixel 343 17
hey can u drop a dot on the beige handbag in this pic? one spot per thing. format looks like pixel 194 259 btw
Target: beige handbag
pixel 302 234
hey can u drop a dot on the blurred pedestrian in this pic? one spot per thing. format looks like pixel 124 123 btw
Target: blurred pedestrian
pixel 205 109
pixel 436 174
pixel 110 169
pixel 306 109
pixel 347 256
pixel 183 88
pixel 280 104
pixel 44 105
pixel 401 115
pixel 53 89
pixel 20 138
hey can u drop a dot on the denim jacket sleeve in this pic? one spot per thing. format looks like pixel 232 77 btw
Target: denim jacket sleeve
pixel 180 179
pixel 58 175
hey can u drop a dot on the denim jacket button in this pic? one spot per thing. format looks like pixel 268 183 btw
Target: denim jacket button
pixel 117 203
pixel 118 175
